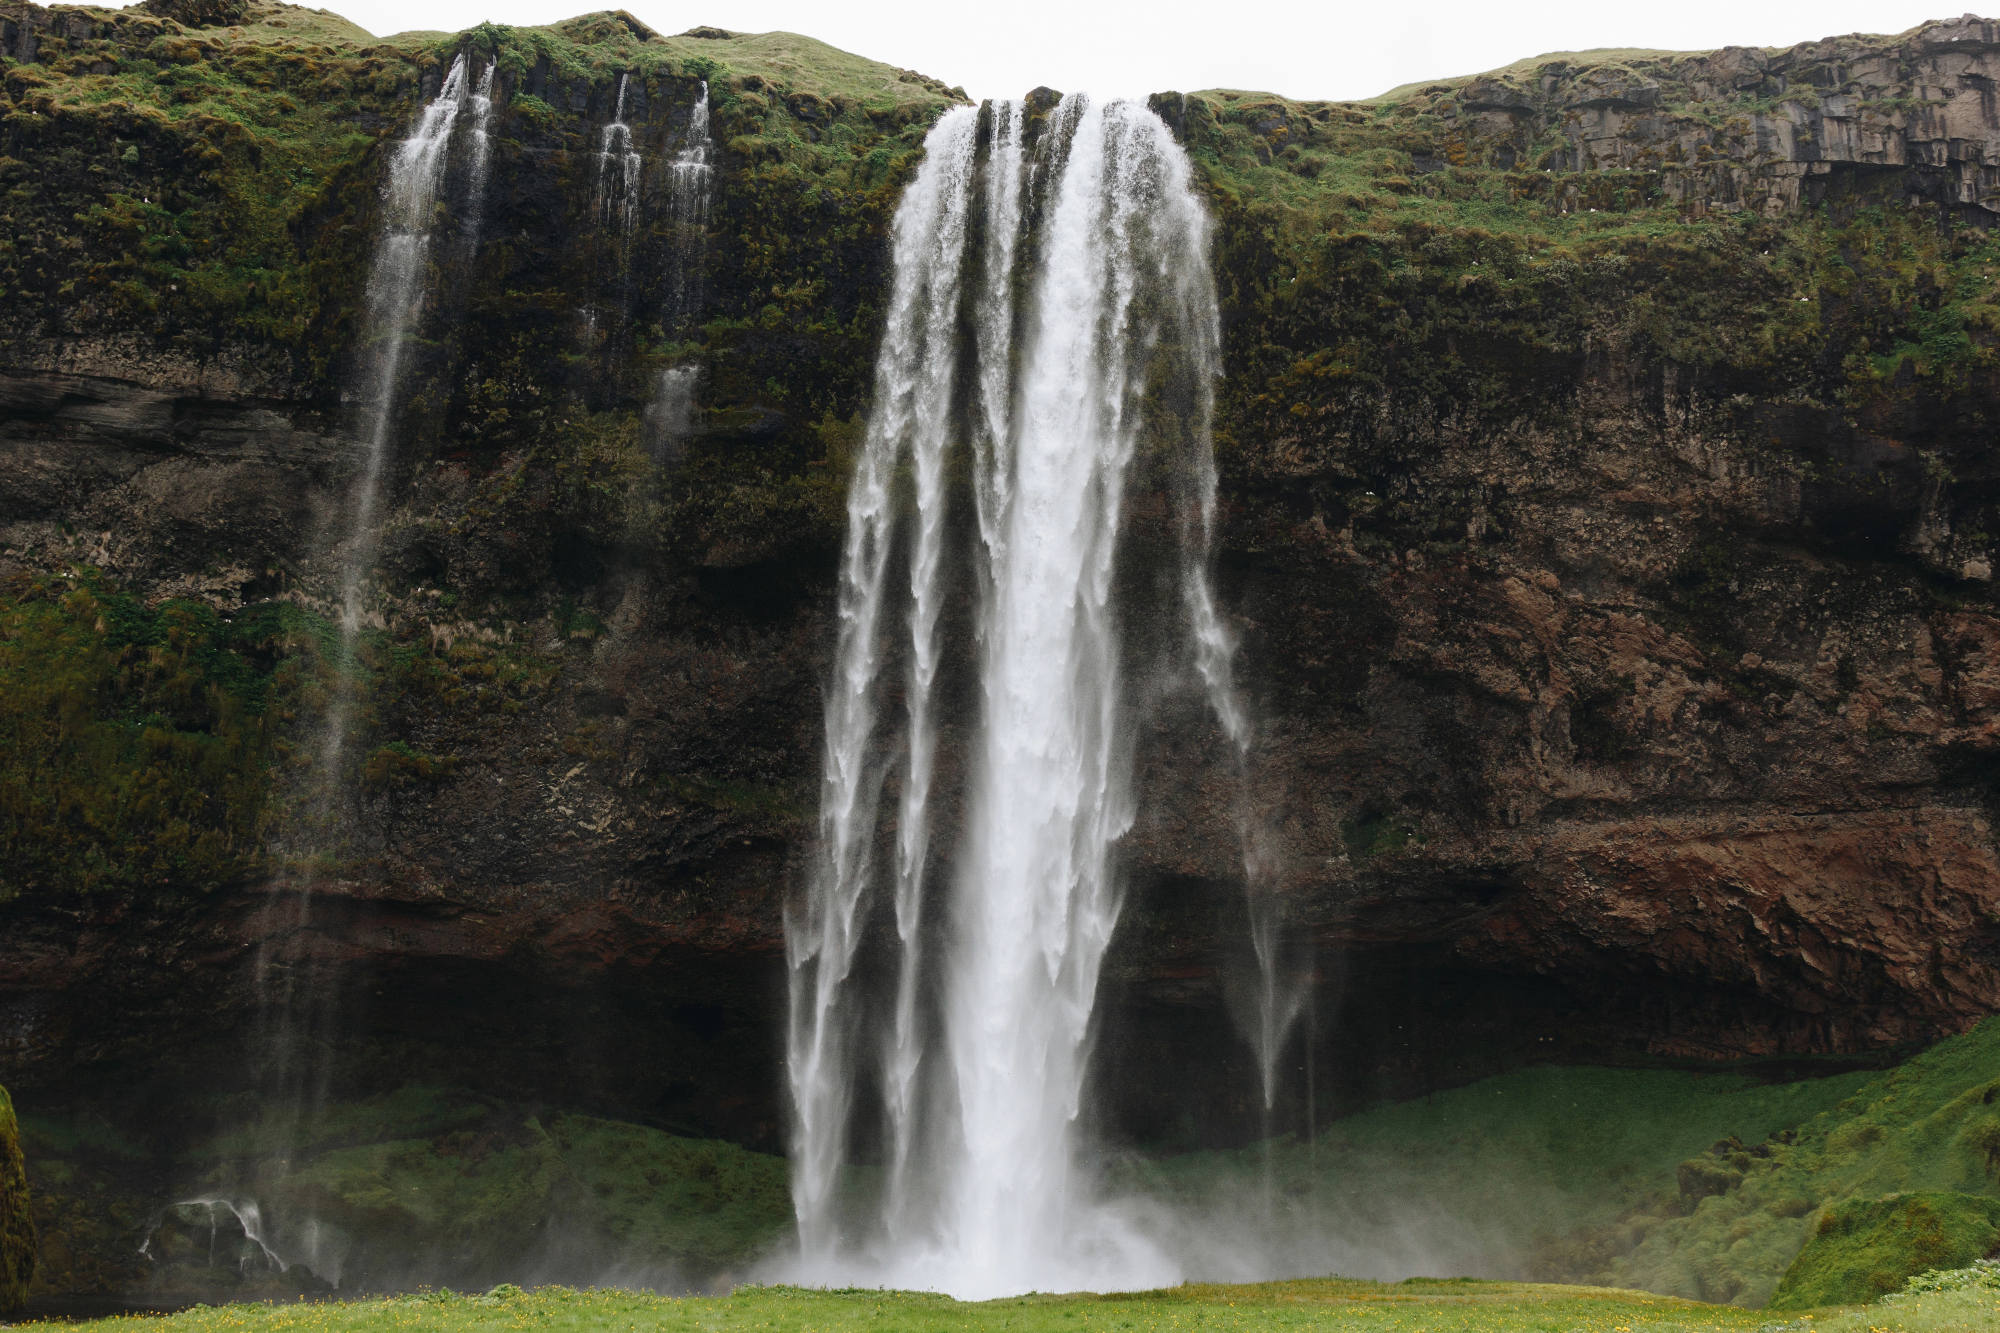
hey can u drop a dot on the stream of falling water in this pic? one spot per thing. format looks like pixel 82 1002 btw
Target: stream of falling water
pixel 618 170
pixel 396 289
pixel 298 1018
pixel 690 183
pixel 1070 313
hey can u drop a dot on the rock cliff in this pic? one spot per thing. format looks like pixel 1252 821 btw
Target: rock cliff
pixel 1901 120
pixel 1608 503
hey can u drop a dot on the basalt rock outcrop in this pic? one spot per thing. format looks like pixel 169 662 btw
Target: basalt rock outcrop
pixel 1906 119
pixel 1615 585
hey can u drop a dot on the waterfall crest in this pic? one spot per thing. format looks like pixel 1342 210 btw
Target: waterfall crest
pixel 1078 266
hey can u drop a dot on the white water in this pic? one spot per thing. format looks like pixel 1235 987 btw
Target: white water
pixel 690 185
pixel 482 156
pixel 983 1194
pixel 619 169
pixel 913 387
pixel 396 289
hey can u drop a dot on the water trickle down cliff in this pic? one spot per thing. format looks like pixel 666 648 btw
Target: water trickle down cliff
pixel 298 1017
pixel 1092 279
pixel 617 173
pixel 690 187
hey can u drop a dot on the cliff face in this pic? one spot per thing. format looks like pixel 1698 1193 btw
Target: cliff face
pixel 1614 577
pixel 1900 120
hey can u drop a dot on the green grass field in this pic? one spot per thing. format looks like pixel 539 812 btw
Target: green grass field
pixel 1416 1306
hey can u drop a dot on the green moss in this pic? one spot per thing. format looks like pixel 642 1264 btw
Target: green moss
pixel 17 1224
pixel 1512 1166
pixel 1373 834
pixel 1691 1184
pixel 1866 1248
pixel 134 741
pixel 480 1187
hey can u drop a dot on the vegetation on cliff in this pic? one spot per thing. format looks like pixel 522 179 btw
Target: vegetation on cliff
pixel 1864 1249
pixel 17 1223
pixel 203 180
pixel 134 740
pixel 1387 296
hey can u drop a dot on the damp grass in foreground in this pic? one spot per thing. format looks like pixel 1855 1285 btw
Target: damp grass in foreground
pixel 1419 1305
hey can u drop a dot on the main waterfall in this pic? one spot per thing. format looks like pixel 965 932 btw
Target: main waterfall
pixel 1049 281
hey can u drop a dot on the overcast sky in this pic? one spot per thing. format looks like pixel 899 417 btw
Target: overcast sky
pixel 1324 49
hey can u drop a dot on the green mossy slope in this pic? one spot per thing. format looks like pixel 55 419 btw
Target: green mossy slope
pixel 1741 1211
pixel 420 1184
pixel 482 1196
pixel 1864 1249
pixel 1703 1186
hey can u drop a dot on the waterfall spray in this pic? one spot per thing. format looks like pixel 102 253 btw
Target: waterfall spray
pixel 982 1193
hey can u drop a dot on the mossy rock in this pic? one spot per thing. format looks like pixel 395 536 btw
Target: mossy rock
pixel 200 13
pixel 1864 1249
pixel 17 1226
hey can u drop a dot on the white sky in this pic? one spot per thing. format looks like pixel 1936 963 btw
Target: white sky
pixel 1329 49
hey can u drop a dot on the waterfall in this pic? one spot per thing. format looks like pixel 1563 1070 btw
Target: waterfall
pixel 298 1019
pixel 482 157
pixel 396 290
pixel 690 182
pixel 913 388
pixel 1080 268
pixel 618 170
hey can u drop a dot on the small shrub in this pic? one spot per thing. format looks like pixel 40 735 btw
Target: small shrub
pixel 396 766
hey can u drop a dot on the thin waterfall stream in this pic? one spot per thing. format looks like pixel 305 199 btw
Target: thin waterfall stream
pixel 690 183
pixel 298 1018
pixel 1079 263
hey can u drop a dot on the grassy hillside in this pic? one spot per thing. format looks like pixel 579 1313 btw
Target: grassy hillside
pixel 1696 1185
